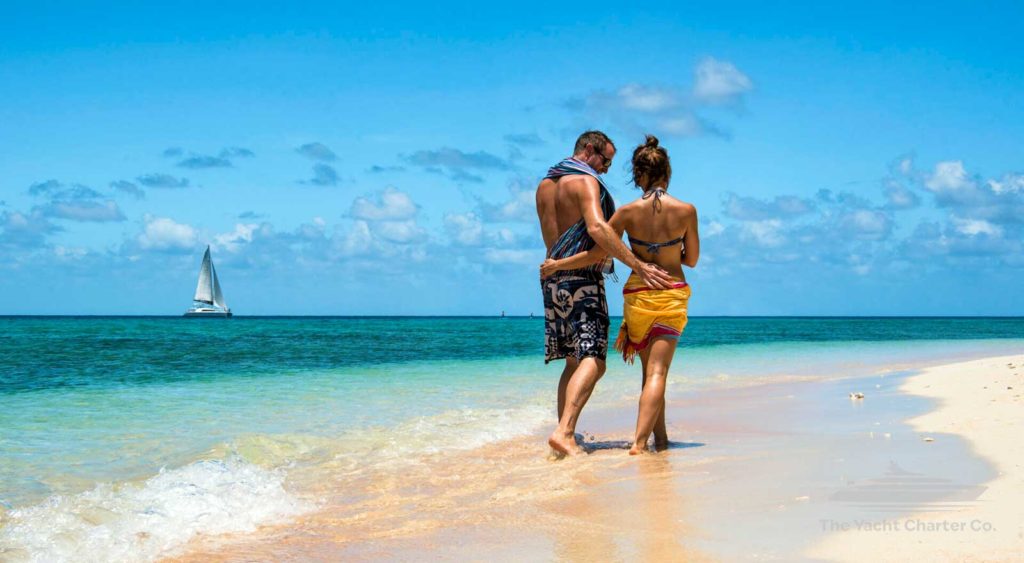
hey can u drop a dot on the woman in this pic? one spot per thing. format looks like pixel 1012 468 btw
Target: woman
pixel 653 319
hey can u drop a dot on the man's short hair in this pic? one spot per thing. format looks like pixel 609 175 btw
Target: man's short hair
pixel 596 138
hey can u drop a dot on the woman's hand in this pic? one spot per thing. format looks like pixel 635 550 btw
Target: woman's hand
pixel 549 267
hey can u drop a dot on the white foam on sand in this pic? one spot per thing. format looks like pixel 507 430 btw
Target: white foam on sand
pixel 369 449
pixel 147 520
pixel 150 519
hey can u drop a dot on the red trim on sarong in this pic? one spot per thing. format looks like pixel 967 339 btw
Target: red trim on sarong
pixel 639 289
pixel 629 348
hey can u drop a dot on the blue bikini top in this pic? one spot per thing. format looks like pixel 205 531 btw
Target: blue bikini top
pixel 654 247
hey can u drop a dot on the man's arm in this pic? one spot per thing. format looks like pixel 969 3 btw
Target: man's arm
pixel 589 197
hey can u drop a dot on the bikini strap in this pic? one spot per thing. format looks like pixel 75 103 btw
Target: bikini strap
pixel 656 193
pixel 654 247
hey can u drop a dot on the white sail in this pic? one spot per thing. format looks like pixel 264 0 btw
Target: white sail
pixel 204 289
pixel 218 297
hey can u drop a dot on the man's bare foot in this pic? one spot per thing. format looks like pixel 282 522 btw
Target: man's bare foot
pixel 660 446
pixel 564 444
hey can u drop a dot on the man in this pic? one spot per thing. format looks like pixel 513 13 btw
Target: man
pixel 574 206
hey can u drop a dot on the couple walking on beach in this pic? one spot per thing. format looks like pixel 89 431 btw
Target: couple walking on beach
pixel 583 233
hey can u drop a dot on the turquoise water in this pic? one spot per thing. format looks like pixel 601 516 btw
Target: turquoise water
pixel 185 419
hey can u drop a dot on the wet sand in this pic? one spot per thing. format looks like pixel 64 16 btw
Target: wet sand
pixel 980 401
pixel 758 472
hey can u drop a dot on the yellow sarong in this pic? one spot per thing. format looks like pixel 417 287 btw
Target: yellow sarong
pixel 650 313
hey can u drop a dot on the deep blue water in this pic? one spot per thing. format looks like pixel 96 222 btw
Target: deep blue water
pixel 52 352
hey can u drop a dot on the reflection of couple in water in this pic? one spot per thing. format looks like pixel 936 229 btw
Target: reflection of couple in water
pixel 583 232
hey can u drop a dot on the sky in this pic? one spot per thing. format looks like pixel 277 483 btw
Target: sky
pixel 864 159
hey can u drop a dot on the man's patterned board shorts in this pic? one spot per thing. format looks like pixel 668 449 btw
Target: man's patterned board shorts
pixel 575 317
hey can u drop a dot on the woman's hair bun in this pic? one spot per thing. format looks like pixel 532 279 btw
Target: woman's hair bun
pixel 651 164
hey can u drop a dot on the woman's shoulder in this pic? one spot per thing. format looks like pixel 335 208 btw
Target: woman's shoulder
pixel 630 206
pixel 683 206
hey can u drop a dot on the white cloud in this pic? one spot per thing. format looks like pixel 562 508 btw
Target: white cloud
pixel 465 229
pixel 1010 183
pixel 69 253
pixel 899 196
pixel 685 125
pixel 510 256
pixel 764 233
pixel 503 237
pixel 401 232
pixel 647 98
pixel 25 230
pixel 719 81
pixel 521 206
pixel 358 241
pixel 753 209
pixel 84 211
pixel 669 109
pixel 162 233
pixel 235 239
pixel 390 205
pixel 867 224
pixel 949 176
pixel 972 227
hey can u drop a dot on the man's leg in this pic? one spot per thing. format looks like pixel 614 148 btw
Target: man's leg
pixel 570 366
pixel 580 386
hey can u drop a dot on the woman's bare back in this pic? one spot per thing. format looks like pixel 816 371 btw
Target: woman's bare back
pixel 660 219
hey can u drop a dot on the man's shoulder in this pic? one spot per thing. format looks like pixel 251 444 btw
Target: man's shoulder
pixel 546 188
pixel 579 182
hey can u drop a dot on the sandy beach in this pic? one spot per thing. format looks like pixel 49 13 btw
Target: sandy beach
pixel 781 471
pixel 979 401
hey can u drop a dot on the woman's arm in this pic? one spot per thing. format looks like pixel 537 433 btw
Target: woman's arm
pixel 691 241
pixel 587 257
pixel 581 260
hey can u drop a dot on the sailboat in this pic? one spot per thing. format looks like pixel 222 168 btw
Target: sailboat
pixel 208 300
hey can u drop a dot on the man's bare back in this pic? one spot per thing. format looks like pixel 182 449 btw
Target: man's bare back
pixel 558 204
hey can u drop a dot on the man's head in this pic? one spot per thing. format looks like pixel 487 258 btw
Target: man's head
pixel 596 149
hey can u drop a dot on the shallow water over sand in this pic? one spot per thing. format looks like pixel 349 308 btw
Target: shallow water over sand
pixel 118 434
pixel 752 473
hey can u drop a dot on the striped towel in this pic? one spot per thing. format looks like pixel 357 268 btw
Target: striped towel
pixel 576 239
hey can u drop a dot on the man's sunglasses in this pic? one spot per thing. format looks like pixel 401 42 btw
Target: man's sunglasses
pixel 607 160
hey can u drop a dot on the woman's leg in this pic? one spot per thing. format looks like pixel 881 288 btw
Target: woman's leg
pixel 660 431
pixel 655 360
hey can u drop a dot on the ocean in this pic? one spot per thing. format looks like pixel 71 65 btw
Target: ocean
pixel 125 437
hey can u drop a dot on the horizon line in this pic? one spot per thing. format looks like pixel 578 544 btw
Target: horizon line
pixel 280 316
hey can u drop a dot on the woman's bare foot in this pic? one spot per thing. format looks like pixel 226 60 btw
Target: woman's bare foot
pixel 639 449
pixel 564 443
pixel 660 446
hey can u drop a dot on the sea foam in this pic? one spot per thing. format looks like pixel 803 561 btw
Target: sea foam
pixel 151 519
pixel 155 518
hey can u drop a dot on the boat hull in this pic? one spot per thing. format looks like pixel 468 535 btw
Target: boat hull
pixel 207 314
